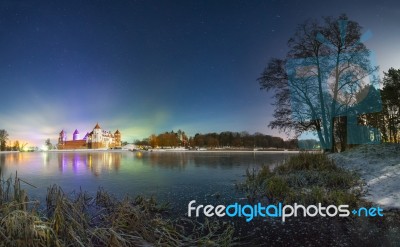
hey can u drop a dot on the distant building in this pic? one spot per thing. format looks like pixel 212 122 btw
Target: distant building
pixel 96 139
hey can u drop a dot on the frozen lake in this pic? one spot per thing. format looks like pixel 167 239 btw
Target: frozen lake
pixel 176 177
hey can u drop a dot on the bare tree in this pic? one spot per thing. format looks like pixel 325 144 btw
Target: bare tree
pixel 316 84
pixel 3 139
pixel 16 146
pixel 48 144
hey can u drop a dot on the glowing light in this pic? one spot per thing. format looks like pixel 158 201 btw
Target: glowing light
pixel 139 155
pixel 90 160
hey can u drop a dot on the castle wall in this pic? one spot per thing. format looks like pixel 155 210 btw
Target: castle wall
pixel 117 141
pixel 78 144
pixel 96 145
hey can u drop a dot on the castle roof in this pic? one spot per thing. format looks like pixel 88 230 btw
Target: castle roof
pixel 86 136
pixel 117 132
pixel 76 132
pixel 97 126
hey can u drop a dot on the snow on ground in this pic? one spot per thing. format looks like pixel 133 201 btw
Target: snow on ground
pixel 129 147
pixel 379 167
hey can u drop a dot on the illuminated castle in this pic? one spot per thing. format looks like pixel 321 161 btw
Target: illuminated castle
pixel 97 139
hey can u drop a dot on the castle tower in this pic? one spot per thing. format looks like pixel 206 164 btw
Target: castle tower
pixel 86 137
pixel 75 136
pixel 97 138
pixel 62 137
pixel 117 138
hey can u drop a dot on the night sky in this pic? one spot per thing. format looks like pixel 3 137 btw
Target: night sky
pixel 147 67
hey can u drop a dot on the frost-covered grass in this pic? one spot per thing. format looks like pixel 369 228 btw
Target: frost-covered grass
pixel 306 178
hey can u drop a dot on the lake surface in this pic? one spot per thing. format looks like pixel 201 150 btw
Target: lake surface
pixel 175 177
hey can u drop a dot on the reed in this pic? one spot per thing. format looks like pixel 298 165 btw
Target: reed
pixel 102 220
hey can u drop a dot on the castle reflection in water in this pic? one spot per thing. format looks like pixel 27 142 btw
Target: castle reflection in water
pixel 105 162
pixel 174 176
pixel 97 163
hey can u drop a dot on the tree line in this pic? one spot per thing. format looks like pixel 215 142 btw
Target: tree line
pixel 166 139
pixel 241 140
pixel 15 146
pixel 388 119
pixel 225 139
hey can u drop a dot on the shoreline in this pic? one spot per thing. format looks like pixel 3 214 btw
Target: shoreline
pixel 85 150
pixel 159 151
pixel 379 168
pixel 218 151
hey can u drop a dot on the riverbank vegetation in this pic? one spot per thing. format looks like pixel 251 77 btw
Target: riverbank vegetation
pixel 101 220
pixel 307 178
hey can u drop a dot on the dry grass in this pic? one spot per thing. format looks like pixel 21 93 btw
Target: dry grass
pixel 102 220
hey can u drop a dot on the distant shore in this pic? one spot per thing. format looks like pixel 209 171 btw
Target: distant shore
pixel 86 150
pixel 221 151
pixel 173 151
pixel 165 150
